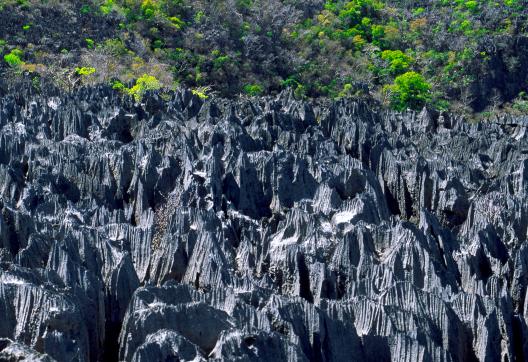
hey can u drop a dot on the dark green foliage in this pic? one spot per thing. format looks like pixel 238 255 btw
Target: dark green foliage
pixel 253 89
pixel 86 9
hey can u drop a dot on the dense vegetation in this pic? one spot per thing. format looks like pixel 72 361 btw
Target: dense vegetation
pixel 463 55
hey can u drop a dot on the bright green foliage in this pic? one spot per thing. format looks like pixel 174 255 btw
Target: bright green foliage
pixel 399 62
pixel 144 84
pixel 201 92
pixel 84 71
pixel 177 22
pixel 410 90
pixel 118 86
pixel 26 27
pixel 253 89
pixel 471 5
pixel 353 12
pixel 149 8
pixel 13 59
pixel 107 7
pixel 378 33
pixel 90 44
pixel 347 91
pixel 512 3
pixel 200 15
pixel 418 11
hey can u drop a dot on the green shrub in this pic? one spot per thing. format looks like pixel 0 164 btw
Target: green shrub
pixel 511 3
pixel 291 81
pixel 200 15
pixel 346 91
pixel 201 92
pixel 253 89
pixel 418 11
pixel 177 22
pixel 85 9
pixel 13 59
pixel 300 91
pixel 149 8
pixel 157 44
pixel 84 71
pixel 378 35
pixel 471 5
pixel 89 43
pixel 220 60
pixel 116 47
pixel 410 90
pixel 26 27
pixel 118 86
pixel 107 7
pixel 144 84
pixel 520 103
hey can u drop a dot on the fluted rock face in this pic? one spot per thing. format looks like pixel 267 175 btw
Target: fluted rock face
pixel 264 229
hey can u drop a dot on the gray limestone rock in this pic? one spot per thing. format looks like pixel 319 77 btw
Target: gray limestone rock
pixel 259 229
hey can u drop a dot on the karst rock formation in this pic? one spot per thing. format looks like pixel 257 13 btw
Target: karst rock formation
pixel 263 229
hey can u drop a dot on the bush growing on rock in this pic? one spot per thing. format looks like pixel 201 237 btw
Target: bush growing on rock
pixel 84 71
pixel 13 59
pixel 201 92
pixel 89 43
pixel 253 89
pixel 410 90
pixel 144 84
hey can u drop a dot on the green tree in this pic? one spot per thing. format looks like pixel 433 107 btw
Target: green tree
pixel 410 90
pixel 399 62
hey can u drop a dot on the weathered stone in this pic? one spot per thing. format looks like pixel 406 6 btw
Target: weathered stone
pixel 258 229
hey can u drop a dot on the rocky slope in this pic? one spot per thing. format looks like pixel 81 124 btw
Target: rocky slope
pixel 263 229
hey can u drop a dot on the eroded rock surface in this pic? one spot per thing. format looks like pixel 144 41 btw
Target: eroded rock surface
pixel 264 229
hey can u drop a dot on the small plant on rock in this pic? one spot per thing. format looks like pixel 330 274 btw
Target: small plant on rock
pixel 90 44
pixel 201 92
pixel 84 71
pixel 144 84
pixel 13 59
